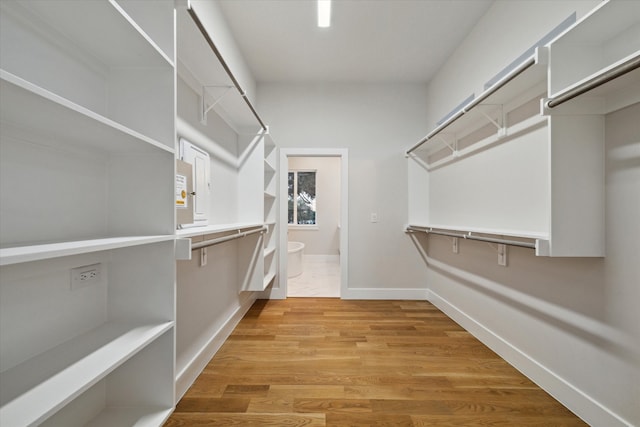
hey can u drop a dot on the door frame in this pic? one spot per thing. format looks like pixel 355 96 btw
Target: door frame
pixel 283 169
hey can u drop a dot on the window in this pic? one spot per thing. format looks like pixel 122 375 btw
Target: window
pixel 302 197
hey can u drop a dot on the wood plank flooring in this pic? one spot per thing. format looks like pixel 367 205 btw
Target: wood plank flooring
pixel 328 362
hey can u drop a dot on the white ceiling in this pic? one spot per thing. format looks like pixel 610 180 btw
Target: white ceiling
pixel 369 40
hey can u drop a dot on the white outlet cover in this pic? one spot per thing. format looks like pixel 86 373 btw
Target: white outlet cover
pixel 87 275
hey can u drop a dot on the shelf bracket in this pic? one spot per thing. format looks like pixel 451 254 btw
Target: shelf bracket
pixel 206 108
pixel 451 146
pixel 502 130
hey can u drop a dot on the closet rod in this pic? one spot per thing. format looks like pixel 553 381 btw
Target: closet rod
pixel 469 236
pixel 219 240
pixel 596 81
pixel 215 50
pixel 484 95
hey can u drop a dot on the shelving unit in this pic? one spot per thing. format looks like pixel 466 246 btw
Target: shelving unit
pixel 87 162
pixel 540 177
pixel 270 211
pixel 215 114
pixel 498 138
pixel 597 44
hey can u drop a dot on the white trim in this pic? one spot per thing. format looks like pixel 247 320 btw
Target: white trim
pixel 186 377
pixel 343 154
pixel 566 393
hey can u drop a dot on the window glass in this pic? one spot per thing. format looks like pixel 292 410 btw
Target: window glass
pixel 302 197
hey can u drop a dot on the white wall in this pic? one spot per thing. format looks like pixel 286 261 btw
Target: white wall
pixel 571 324
pixel 213 20
pixel 374 122
pixel 324 238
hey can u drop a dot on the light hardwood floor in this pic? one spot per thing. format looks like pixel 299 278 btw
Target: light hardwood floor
pixel 328 362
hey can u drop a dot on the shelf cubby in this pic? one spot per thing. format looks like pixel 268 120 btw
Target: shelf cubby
pixel 116 76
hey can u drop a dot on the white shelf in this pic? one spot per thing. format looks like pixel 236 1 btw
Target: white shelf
pixel 268 278
pixel 98 27
pixel 125 416
pixel 510 131
pixel 268 168
pixel 603 37
pixel 26 106
pixel 37 388
pixel 22 254
pixel 611 96
pixel 269 251
pixel 215 228
pixel 497 232
pixel 269 195
pixel 509 92
pixel 202 70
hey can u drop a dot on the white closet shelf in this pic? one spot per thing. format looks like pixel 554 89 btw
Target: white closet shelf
pixel 524 234
pixel 36 110
pixel 512 131
pixel 37 388
pixel 216 228
pixel 610 96
pixel 209 76
pixel 98 19
pixel 268 167
pixel 535 241
pixel 269 251
pixel 20 254
pixel 268 278
pixel 125 416
pixel 607 36
pixel 530 75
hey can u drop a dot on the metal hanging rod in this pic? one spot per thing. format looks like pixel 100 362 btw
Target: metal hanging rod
pixel 596 81
pixel 473 103
pixel 215 50
pixel 469 236
pixel 219 240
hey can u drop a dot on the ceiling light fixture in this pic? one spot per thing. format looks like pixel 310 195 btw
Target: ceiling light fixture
pixel 324 13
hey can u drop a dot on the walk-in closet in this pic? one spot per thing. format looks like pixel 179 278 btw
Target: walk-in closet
pixel 453 186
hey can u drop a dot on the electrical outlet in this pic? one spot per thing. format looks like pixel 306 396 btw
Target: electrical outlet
pixel 374 217
pixel 86 275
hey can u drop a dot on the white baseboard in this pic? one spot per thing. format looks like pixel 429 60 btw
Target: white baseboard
pixel 576 400
pixel 186 377
pixel 385 293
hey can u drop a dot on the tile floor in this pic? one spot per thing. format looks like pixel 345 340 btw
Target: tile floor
pixel 320 278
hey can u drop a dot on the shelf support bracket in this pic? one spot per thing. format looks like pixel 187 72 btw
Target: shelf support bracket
pixel 206 108
pixel 451 146
pixel 502 130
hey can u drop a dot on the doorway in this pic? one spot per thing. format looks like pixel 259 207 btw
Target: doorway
pixel 318 222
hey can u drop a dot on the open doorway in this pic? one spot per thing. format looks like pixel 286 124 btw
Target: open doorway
pixel 313 222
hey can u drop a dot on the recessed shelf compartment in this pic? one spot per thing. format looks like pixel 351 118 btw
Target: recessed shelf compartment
pixel 603 38
pixel 37 388
pixel 102 60
pixel 32 109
